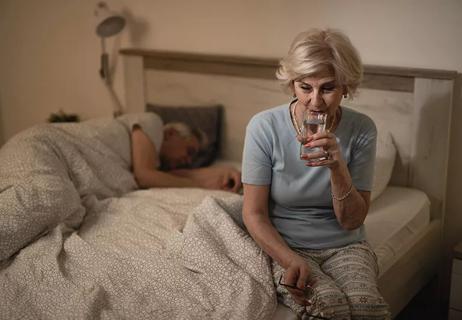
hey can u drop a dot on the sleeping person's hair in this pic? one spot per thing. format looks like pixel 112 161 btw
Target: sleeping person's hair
pixel 186 131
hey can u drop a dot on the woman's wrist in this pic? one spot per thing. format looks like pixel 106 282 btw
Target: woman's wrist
pixel 342 185
pixel 288 258
pixel 339 164
pixel 343 196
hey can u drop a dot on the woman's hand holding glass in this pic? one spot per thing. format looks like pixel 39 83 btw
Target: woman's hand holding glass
pixel 327 154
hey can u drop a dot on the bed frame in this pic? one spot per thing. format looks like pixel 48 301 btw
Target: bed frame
pixel 415 105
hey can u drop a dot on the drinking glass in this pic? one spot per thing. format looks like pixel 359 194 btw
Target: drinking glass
pixel 313 122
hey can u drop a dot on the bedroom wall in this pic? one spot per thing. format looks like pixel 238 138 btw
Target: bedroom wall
pixel 49 53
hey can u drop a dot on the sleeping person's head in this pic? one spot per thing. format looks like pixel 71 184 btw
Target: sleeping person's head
pixel 181 145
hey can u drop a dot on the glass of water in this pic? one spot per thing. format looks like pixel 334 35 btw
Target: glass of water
pixel 313 122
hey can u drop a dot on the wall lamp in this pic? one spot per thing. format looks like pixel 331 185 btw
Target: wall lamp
pixel 109 23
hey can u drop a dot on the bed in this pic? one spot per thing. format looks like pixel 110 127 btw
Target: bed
pixel 77 240
pixel 411 107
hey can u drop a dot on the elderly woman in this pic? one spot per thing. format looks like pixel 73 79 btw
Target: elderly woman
pixel 307 212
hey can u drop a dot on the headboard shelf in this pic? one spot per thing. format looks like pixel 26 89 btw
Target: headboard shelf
pixel 210 64
pixel 375 77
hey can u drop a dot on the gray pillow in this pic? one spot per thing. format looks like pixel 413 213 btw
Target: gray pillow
pixel 206 118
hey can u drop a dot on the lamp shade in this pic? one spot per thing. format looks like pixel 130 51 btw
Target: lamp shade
pixel 109 23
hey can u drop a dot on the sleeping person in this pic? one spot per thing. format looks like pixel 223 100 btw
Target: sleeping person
pixel 162 156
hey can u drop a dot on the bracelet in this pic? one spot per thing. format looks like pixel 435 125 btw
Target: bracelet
pixel 343 197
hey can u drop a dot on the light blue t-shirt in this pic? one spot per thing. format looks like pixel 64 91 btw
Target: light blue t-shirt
pixel 300 205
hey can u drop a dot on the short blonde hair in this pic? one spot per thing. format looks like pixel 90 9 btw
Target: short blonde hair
pixel 186 131
pixel 315 50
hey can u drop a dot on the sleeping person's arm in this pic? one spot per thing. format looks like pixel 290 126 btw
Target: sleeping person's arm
pixel 144 157
pixel 219 177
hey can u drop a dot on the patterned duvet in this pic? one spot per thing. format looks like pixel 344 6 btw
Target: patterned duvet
pixel 78 241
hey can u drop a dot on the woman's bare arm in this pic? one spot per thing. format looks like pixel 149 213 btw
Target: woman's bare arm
pixel 352 210
pixel 258 223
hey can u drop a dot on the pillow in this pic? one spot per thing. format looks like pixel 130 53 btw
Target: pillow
pixel 386 149
pixel 206 118
pixel 384 162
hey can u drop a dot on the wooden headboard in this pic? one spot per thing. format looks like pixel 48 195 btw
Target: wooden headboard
pixel 415 105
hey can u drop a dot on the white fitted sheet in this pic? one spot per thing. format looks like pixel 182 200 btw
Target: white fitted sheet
pixel 394 219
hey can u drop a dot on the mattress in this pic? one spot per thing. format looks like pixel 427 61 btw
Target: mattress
pixel 395 218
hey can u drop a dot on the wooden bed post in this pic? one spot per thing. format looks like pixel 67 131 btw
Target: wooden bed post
pixel 135 93
pixel 430 153
pixel 433 100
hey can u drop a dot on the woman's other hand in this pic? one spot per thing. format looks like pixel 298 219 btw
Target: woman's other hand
pixel 297 275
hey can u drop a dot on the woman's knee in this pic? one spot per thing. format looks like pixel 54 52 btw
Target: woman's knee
pixel 368 307
pixel 331 303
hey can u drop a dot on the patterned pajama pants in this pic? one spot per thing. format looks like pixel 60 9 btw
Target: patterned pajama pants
pixel 345 284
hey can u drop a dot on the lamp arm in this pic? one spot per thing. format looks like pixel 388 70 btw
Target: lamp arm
pixel 104 70
pixel 118 105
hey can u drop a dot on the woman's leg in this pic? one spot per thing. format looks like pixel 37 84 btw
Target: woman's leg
pixel 354 269
pixel 328 300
